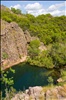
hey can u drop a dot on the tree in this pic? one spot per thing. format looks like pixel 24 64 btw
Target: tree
pixel 16 11
pixel 50 80
pixel 23 22
pixel 33 48
pixel 58 54
pixel 31 18
pixel 7 82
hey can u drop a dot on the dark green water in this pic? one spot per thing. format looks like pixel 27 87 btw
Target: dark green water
pixel 27 75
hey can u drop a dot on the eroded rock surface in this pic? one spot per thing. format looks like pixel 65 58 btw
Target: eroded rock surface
pixel 37 93
pixel 13 44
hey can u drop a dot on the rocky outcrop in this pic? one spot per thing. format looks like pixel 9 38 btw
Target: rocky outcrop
pixel 38 93
pixel 13 44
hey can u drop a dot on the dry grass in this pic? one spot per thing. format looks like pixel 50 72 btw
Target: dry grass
pixel 48 87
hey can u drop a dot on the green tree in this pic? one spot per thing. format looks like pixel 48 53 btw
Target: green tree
pixel 31 18
pixel 7 82
pixel 33 48
pixel 23 22
pixel 16 11
pixel 50 80
pixel 58 54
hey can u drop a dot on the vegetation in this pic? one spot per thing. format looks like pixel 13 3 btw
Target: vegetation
pixel 58 54
pixel 16 11
pixel 49 30
pixel 8 82
pixel 33 48
pixel 63 75
pixel 50 80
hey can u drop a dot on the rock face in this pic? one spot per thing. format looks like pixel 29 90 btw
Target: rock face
pixel 37 93
pixel 13 44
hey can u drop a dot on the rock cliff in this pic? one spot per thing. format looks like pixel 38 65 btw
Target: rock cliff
pixel 13 44
pixel 39 93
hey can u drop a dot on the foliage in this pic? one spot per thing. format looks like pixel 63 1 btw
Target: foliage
pixel 7 82
pixel 16 11
pixel 50 80
pixel 4 79
pixel 35 43
pixel 23 22
pixel 53 57
pixel 37 57
pixel 50 30
pixel 31 18
pixel 58 54
pixel 63 74
pixel 7 19
pixel 33 48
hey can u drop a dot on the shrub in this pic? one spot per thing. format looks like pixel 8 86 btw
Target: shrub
pixel 50 80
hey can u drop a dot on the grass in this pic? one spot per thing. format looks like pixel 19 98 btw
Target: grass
pixel 45 88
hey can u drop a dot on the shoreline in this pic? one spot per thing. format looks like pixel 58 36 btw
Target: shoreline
pixel 15 63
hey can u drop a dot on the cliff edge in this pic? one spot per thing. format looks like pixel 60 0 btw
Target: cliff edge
pixel 40 93
pixel 13 44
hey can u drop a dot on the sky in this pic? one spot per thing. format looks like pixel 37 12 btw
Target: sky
pixel 55 8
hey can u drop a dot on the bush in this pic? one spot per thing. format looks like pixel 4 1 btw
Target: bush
pixel 50 80
pixel 6 18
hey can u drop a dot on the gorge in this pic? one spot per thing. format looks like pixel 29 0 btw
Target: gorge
pixel 35 47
